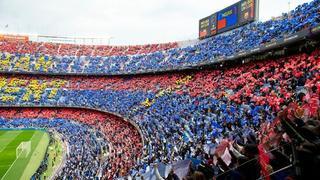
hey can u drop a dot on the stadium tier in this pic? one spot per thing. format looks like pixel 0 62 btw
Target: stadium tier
pixel 66 58
pixel 53 49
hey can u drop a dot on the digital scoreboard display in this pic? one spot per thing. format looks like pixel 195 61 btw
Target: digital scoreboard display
pixel 247 11
pixel 236 15
pixel 204 28
pixel 228 18
pixel 213 24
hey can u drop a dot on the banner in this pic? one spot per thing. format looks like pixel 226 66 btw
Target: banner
pixel 8 37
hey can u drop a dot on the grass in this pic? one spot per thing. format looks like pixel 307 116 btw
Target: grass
pixel 55 152
pixel 21 167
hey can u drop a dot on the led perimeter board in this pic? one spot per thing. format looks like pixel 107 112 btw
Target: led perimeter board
pixel 236 15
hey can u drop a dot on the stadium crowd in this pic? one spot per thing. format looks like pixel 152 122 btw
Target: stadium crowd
pixel 108 146
pixel 270 151
pixel 66 58
pixel 212 120
pixel 47 48
pixel 182 115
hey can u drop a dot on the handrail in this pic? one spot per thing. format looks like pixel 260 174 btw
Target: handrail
pixel 277 171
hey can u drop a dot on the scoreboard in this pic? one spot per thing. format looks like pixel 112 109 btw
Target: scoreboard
pixel 236 15
pixel 227 18
pixel 208 26
pixel 204 26
pixel 247 11
pixel 213 24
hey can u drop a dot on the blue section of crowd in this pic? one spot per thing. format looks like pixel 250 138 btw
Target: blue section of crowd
pixel 171 122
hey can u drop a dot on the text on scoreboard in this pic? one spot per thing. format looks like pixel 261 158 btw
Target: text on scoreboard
pixel 236 15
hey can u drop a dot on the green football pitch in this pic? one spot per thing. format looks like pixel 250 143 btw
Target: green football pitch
pixel 21 167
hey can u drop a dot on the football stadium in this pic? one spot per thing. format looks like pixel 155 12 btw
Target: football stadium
pixel 240 99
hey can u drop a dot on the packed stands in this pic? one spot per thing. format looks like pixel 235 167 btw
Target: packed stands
pixel 67 58
pixel 57 49
pixel 180 114
pixel 266 152
pixel 217 118
pixel 121 141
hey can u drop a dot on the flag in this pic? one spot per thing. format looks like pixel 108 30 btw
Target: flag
pixel 264 162
pixel 186 137
pixel 226 157
pixel 164 169
pixel 182 168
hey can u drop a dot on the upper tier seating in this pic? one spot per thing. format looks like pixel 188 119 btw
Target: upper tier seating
pixel 30 57
pixel 58 49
